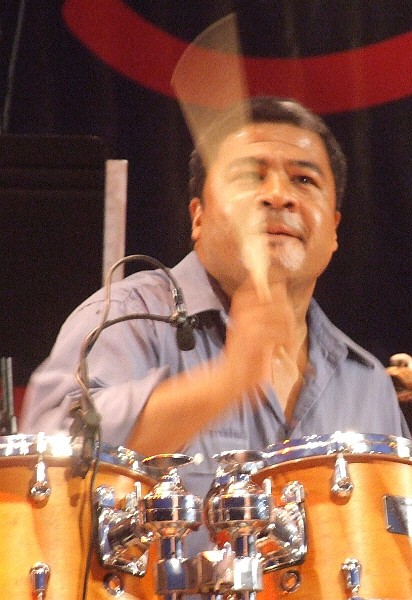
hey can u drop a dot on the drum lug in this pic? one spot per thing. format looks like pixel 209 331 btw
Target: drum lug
pixel 40 489
pixel 40 575
pixel 342 486
pixel 352 570
pixel 287 531
pixel 293 492
pixel 119 530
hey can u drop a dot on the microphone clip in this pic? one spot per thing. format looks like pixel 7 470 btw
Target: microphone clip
pixel 84 432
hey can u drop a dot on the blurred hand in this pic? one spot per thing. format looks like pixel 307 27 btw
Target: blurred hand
pixel 260 330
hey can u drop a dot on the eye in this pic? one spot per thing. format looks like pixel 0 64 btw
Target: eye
pixel 252 175
pixel 248 178
pixel 247 171
pixel 304 179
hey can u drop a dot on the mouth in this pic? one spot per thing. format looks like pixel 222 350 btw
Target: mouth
pixel 282 231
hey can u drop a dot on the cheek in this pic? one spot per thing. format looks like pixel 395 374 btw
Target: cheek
pixel 323 231
pixel 237 210
pixel 323 221
pixel 318 212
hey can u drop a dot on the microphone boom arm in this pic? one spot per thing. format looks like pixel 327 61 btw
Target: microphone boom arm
pixel 86 419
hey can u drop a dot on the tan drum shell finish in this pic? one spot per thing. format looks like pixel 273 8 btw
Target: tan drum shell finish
pixel 57 531
pixel 355 528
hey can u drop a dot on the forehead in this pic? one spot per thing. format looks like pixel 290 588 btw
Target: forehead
pixel 271 140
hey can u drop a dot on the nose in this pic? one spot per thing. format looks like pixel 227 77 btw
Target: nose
pixel 275 192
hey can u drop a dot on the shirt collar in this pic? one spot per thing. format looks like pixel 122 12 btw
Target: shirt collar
pixel 200 294
pixel 197 286
pixel 336 344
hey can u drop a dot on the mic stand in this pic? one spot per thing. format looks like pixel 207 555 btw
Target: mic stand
pixel 85 429
pixel 8 420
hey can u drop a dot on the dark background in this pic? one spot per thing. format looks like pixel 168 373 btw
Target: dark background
pixel 53 84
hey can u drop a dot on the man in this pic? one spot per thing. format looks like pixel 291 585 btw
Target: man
pixel 267 364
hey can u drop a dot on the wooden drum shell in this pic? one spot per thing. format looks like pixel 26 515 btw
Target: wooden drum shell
pixel 57 531
pixel 340 529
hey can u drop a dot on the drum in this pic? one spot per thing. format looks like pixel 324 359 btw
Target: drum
pixel 47 536
pixel 367 522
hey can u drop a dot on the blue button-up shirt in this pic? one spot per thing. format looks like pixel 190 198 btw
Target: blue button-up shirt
pixel 345 387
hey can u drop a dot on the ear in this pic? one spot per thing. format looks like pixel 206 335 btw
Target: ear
pixel 338 217
pixel 196 212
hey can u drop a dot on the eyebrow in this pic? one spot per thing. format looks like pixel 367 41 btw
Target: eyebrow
pixel 246 160
pixel 258 161
pixel 308 164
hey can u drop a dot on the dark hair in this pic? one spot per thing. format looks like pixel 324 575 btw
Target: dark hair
pixel 266 110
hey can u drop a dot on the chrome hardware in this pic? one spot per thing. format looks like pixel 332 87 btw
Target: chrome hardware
pixel 235 502
pixel 122 542
pixel 293 492
pixel 39 576
pixel 113 584
pixel 284 542
pixel 290 581
pixel 167 513
pixel 352 569
pixel 170 513
pixel 215 570
pixel 342 485
pixel 237 509
pixel 40 489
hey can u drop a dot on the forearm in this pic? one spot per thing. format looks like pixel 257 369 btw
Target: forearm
pixel 179 408
pixel 182 406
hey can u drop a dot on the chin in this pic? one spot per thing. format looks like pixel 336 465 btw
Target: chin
pixel 290 262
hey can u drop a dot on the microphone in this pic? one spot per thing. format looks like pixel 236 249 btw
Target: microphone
pixel 184 324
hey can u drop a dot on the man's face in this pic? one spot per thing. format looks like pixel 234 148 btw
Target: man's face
pixel 268 203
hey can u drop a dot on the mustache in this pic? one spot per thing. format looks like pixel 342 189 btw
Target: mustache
pixel 288 223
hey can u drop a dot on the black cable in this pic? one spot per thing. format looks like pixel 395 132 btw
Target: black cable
pixel 93 518
pixel 86 424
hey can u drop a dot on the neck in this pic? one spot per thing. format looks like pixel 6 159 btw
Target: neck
pixel 297 295
pixel 288 372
